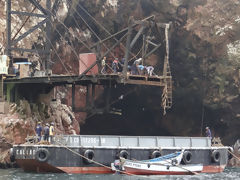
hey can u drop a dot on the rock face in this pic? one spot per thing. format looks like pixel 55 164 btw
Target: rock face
pixel 21 122
pixel 236 160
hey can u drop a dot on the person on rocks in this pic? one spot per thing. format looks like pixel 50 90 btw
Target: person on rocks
pixel 208 132
pixel 39 131
pixel 46 132
pixel 51 131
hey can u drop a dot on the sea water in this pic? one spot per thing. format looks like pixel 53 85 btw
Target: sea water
pixel 18 174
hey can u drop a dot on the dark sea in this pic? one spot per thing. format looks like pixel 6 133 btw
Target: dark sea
pixel 18 174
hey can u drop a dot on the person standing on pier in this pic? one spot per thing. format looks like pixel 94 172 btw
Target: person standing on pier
pixel 115 65
pixel 150 70
pixel 103 63
pixel 51 131
pixel 135 69
pixel 208 132
pixel 46 132
pixel 39 131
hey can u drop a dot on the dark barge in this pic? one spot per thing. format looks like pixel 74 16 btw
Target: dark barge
pixel 93 154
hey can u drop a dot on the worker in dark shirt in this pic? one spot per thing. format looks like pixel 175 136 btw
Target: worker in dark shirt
pixel 46 132
pixel 208 132
pixel 39 131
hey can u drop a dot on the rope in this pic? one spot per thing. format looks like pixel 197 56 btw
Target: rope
pixel 64 38
pixel 56 53
pixel 100 164
pixel 74 51
pixel 234 155
pixel 203 96
pixel 103 27
pixel 231 153
pixel 80 28
pixel 92 30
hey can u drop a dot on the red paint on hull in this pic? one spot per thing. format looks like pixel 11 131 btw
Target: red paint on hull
pixel 32 165
pixel 86 170
pixel 213 169
pixel 147 172
pixel 206 169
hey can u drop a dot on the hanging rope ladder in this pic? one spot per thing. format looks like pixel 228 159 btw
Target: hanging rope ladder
pixel 167 90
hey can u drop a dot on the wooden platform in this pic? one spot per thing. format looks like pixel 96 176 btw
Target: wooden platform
pixel 99 79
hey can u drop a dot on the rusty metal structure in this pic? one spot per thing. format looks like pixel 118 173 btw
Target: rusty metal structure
pixel 147 31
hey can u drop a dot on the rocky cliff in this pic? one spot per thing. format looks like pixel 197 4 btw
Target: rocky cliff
pixel 22 119
pixel 205 44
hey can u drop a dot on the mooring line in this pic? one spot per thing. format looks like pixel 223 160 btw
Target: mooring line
pixel 100 164
pixel 231 153
pixel 120 171
pixel 234 155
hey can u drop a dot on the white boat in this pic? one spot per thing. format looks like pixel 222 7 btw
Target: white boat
pixel 164 165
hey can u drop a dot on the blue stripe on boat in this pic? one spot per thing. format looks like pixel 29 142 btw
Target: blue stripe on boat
pixel 162 158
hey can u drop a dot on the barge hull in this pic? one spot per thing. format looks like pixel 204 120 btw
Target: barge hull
pixel 72 153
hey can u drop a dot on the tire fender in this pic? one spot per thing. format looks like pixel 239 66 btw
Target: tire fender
pixel 123 154
pixel 89 156
pixel 155 154
pixel 230 152
pixel 12 155
pixel 187 157
pixel 42 155
pixel 216 155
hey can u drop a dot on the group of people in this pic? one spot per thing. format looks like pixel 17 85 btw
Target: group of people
pixel 47 132
pixel 136 68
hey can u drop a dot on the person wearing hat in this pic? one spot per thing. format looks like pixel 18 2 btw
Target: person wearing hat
pixel 51 131
pixel 46 132
pixel 208 132
pixel 39 131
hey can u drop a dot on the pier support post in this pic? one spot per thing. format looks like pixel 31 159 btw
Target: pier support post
pixel 73 97
pixel 128 47
pixel 87 97
pixel 93 96
pixel 9 30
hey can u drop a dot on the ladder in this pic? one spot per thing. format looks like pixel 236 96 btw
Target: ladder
pixel 167 90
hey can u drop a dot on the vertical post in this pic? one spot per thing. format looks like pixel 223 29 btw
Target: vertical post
pixel 87 98
pixel 8 32
pixel 108 98
pixel 128 48
pixel 73 97
pixel 48 34
pixel 143 49
pixel 99 57
pixel 167 51
pixel 93 95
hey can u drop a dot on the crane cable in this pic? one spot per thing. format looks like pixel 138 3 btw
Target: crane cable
pixel 102 26
pixel 92 30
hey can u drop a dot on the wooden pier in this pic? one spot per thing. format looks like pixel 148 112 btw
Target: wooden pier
pixel 99 79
